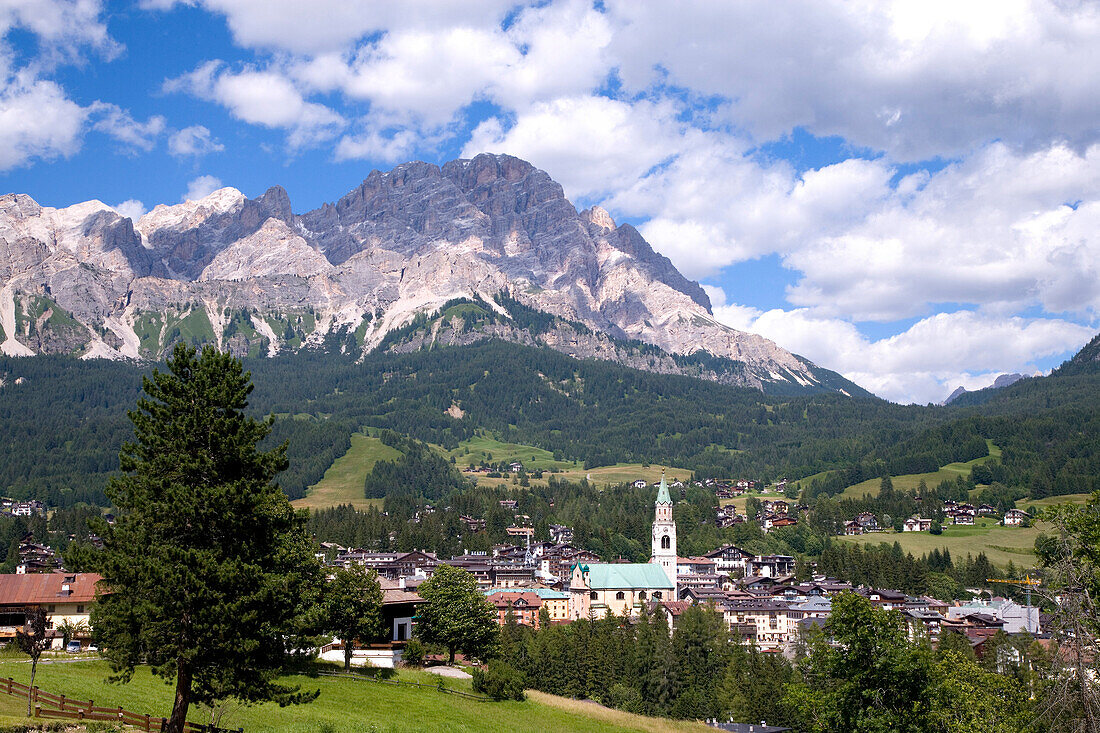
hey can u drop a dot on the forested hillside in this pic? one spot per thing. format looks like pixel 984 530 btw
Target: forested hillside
pixel 62 421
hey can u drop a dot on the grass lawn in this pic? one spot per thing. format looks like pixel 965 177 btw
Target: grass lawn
pixel 343 481
pixel 910 481
pixel 625 472
pixel 348 705
pixel 1052 501
pixel 480 447
pixel 1000 544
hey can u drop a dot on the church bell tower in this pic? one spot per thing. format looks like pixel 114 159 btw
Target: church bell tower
pixel 664 532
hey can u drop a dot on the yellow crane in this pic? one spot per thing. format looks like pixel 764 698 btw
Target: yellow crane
pixel 1027 582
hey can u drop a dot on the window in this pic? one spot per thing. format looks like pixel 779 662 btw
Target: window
pixel 666 543
pixel 51 608
pixel 593 595
pixel 80 608
pixel 402 632
pixel 657 595
pixel 620 596
pixel 641 595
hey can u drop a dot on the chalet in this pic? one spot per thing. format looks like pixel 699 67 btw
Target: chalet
pixel 640 484
pixel 778 506
pixel 987 509
pixel 961 517
pixel 558 561
pixel 472 524
pixel 64 597
pixel 515 531
pixel 515 467
pixel 868 521
pixel 889 600
pixel 853 528
pixel 599 589
pixel 560 533
pixel 783 521
pixel 508 503
pixel 916 524
pixel 770 565
pixel 512 575
pixel 672 611
pixel 729 559
pixel 398 611
pixel 1016 517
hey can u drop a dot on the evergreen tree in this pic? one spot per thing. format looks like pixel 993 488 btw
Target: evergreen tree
pixel 211 575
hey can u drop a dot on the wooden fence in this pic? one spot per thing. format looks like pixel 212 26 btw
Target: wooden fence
pixel 48 705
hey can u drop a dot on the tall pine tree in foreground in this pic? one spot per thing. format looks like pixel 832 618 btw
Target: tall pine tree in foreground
pixel 209 574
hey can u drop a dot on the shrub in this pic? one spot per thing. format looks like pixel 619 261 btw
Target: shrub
pixel 936 528
pixel 500 681
pixel 414 652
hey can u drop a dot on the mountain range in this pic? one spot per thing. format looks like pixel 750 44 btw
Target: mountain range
pixel 253 277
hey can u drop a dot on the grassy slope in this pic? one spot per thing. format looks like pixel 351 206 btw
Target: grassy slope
pixel 351 706
pixel 343 481
pixel 533 458
pixel 908 482
pixel 1000 544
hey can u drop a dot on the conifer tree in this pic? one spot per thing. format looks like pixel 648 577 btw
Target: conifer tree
pixel 209 574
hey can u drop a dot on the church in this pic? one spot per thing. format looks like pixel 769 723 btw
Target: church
pixel 597 589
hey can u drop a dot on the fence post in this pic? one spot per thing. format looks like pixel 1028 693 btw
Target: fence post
pixel 38 711
pixel 35 691
pixel 147 728
pixel 9 685
pixel 62 702
pixel 163 722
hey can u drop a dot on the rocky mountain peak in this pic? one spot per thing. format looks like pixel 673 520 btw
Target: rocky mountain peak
pixel 253 276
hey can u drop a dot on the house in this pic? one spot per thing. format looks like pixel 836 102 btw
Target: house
pixel 730 560
pixel 783 521
pixel 559 533
pixel 770 566
pixel 524 606
pixel 987 509
pixel 598 589
pixel 672 610
pixel 66 597
pixel 472 524
pixel 515 467
pixel 695 566
pixel 640 484
pixel 1016 517
pixel 514 531
pixel 508 503
pixel 962 517
pixel 916 524
pixel 398 611
pixel 852 528
pixel 868 521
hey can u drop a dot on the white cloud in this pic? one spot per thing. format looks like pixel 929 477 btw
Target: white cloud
pixel 201 187
pixel 63 28
pixel 926 361
pixel 915 78
pixel 195 140
pixel 37 121
pixel 266 98
pixel 130 208
pixel 374 145
pixel 120 124
pixel 591 144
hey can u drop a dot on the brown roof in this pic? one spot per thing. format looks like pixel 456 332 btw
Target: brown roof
pixel 45 588
pixel 503 599
pixel 392 593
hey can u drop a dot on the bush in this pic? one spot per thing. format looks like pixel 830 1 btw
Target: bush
pixel 414 652
pixel 500 682
pixel 936 528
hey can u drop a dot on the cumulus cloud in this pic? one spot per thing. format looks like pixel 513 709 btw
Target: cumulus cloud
pixel 120 124
pixel 37 121
pixel 130 208
pixel 195 140
pixel 923 363
pixel 262 97
pixel 915 79
pixel 201 187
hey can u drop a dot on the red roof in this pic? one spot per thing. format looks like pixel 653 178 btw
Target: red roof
pixel 45 588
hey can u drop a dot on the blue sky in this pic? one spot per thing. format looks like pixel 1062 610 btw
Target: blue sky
pixel 905 192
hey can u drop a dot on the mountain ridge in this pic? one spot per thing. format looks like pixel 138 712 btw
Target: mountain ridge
pixel 255 278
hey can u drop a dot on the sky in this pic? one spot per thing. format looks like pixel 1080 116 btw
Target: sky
pixel 905 192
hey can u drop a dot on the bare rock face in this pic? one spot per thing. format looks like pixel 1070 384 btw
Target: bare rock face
pixel 253 277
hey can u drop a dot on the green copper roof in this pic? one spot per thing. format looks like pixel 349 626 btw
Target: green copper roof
pixel 627 575
pixel 662 493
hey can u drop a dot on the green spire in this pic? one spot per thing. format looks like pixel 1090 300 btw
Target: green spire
pixel 662 493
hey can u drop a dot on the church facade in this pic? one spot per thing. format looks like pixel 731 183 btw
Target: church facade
pixel 599 589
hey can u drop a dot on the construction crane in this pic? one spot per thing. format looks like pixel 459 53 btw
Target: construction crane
pixel 1027 582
